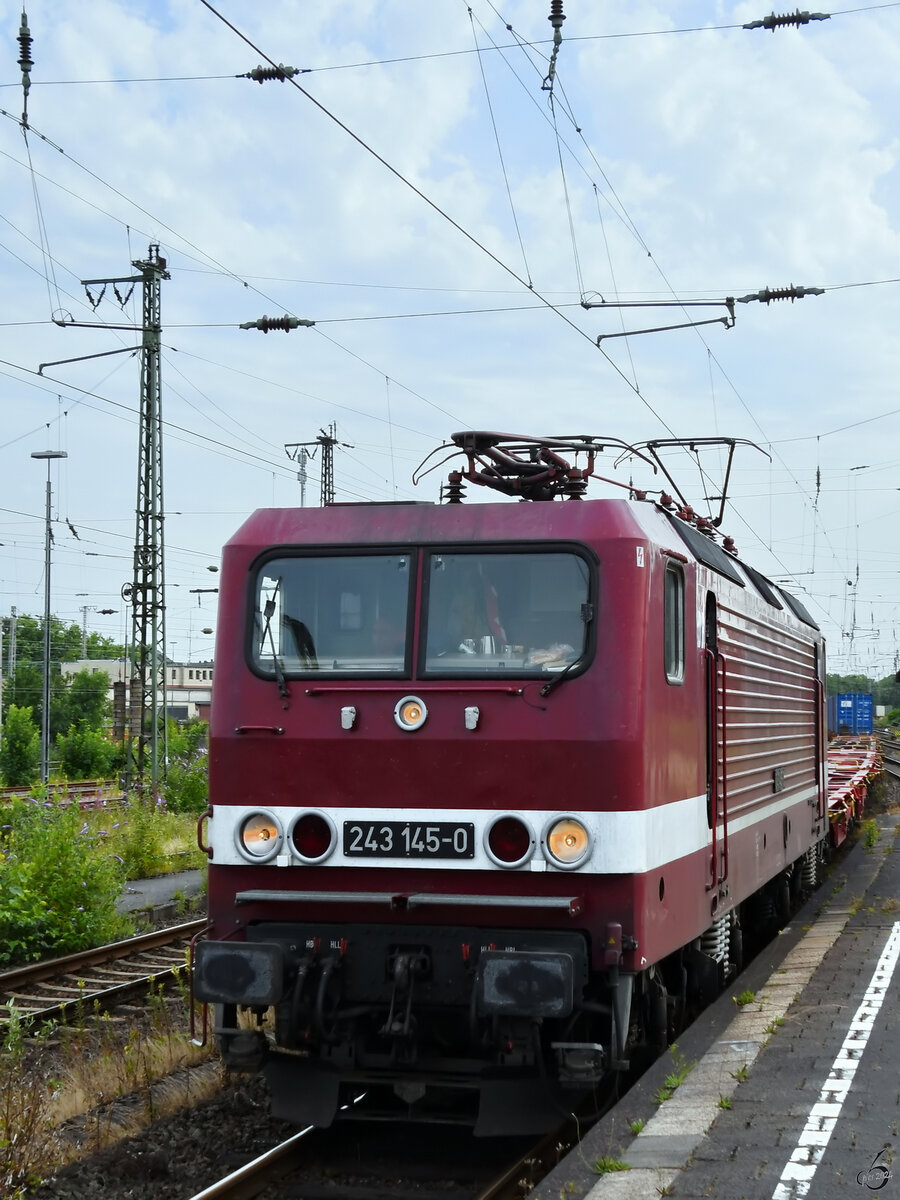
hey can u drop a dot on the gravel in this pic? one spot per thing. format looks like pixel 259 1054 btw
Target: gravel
pixel 177 1157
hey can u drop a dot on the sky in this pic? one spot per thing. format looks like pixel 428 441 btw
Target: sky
pixel 443 194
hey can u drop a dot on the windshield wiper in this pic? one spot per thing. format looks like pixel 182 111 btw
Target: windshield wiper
pixel 587 615
pixel 268 613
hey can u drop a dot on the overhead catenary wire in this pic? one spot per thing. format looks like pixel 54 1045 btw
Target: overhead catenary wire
pixel 512 207
pixel 432 204
pixel 559 92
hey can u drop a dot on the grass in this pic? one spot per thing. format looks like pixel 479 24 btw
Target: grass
pixel 675 1078
pixel 870 833
pixel 746 997
pixel 607 1165
pixel 54 1074
pixel 724 1102
pixel 636 1125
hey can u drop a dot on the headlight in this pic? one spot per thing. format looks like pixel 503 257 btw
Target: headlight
pixel 313 836
pixel 410 713
pixel 509 842
pixel 566 841
pixel 259 836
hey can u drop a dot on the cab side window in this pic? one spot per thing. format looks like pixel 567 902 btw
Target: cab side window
pixel 674 622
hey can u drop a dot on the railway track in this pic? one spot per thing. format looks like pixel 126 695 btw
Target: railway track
pixel 86 793
pixel 890 752
pixel 96 980
pixel 298 1167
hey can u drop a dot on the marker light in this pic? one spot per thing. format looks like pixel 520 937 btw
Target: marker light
pixel 567 841
pixel 410 713
pixel 509 842
pixel 313 836
pixel 259 836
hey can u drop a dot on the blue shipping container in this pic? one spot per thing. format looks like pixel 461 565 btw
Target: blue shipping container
pixel 850 713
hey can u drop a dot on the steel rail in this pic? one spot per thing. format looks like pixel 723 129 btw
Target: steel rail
pixel 68 980
pixel 890 753
pixel 250 1179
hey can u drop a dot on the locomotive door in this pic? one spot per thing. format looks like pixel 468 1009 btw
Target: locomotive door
pixel 716 749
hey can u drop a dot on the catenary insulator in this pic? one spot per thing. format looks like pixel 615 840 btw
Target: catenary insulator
pixel 798 18
pixel 767 295
pixel 25 40
pixel 263 74
pixel 26 63
pixel 286 323
pixel 557 16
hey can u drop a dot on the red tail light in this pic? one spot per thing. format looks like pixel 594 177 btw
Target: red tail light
pixel 509 842
pixel 313 837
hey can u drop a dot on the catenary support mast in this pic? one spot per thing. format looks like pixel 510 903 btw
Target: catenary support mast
pixel 147 590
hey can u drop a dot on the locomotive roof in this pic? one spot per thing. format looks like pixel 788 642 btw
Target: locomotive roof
pixel 355 524
pixel 586 521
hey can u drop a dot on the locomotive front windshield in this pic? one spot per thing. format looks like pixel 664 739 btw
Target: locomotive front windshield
pixel 488 613
pixel 493 612
pixel 346 613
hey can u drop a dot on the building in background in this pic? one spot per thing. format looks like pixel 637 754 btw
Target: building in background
pixel 188 685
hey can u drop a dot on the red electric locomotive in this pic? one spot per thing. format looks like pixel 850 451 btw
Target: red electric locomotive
pixel 495 788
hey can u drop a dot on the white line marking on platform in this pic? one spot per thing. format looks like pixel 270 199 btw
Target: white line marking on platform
pixel 797 1176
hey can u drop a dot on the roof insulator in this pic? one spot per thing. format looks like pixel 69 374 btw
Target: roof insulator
pixel 264 74
pixel 798 18
pixel 286 323
pixel 454 490
pixel 789 293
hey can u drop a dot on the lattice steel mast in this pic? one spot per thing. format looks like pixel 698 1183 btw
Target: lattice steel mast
pixel 298 452
pixel 146 593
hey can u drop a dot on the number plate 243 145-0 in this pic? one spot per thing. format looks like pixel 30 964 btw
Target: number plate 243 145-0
pixel 409 839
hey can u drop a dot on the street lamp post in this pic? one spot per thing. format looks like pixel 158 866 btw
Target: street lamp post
pixel 45 708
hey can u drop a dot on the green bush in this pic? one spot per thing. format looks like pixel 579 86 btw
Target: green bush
pixel 138 837
pixel 20 748
pixel 186 788
pixel 85 753
pixel 59 884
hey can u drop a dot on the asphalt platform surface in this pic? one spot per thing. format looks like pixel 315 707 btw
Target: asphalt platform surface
pixel 795 1093
pixel 160 892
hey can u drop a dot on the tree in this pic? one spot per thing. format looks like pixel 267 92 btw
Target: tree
pixel 86 698
pixel 65 642
pixel 85 753
pixel 20 749
pixel 83 695
pixel 857 684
